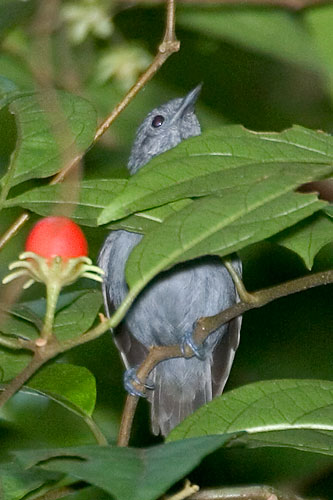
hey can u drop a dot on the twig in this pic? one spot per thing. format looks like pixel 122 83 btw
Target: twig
pixel 207 325
pixel 288 4
pixel 39 358
pixel 14 229
pixel 168 46
pixel 244 493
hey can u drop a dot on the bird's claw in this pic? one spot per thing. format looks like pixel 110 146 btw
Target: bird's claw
pixel 130 376
pixel 198 350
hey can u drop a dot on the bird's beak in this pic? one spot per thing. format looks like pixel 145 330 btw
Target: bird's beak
pixel 188 103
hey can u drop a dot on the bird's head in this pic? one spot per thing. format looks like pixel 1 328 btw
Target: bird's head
pixel 163 128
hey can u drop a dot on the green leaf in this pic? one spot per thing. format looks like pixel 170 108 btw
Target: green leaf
pixel 217 226
pixel 143 222
pixel 221 158
pixel 8 90
pixel 329 210
pixel 13 362
pixel 76 318
pixel 273 32
pixel 15 482
pixel 84 206
pixel 308 237
pixel 295 413
pixel 71 386
pixel 51 128
pixel 128 473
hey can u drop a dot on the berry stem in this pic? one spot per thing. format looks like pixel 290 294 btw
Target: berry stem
pixel 52 294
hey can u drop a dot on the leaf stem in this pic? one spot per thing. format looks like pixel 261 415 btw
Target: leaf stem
pixel 99 436
pixel 15 343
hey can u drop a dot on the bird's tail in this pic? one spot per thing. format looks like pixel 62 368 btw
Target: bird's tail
pixel 181 386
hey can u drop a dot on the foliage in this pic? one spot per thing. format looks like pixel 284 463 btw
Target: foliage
pixel 230 189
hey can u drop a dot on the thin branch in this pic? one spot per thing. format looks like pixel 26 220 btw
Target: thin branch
pixel 168 46
pixel 244 493
pixel 16 383
pixel 14 229
pixel 207 325
pixel 156 355
pixel 288 4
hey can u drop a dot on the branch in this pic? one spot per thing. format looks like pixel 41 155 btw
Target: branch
pixel 288 4
pixel 207 325
pixel 40 357
pixel 169 45
pixel 244 493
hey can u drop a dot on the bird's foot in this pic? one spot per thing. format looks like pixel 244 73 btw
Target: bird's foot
pixel 198 350
pixel 130 377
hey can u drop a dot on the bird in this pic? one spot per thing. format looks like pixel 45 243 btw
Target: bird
pixel 166 311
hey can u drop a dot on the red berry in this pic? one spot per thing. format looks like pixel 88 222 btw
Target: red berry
pixel 54 236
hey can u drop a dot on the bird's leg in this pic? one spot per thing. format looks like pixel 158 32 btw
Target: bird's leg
pixel 131 378
pixel 197 349
pixel 244 295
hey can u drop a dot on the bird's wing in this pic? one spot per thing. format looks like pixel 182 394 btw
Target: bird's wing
pixel 223 356
pixel 132 351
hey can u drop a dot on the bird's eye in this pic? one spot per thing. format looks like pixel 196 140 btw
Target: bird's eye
pixel 157 121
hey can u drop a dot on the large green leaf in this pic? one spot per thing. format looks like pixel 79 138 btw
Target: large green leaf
pixel 295 413
pixel 273 32
pixel 71 386
pixel 308 237
pixel 85 206
pixel 221 158
pixel 52 129
pixel 127 473
pixel 217 226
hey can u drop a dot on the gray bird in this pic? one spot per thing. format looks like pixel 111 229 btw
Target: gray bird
pixel 166 311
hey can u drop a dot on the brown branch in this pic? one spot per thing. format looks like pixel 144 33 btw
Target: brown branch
pixel 288 4
pixel 244 493
pixel 169 45
pixel 14 228
pixel 40 357
pixel 207 325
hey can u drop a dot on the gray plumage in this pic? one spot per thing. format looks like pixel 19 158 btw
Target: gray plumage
pixel 169 306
